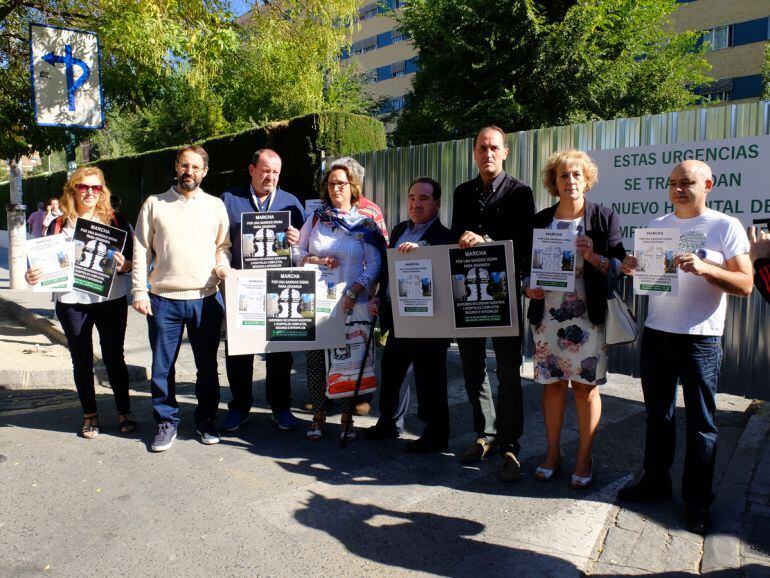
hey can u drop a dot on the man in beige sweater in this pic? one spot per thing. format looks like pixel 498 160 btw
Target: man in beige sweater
pixel 183 235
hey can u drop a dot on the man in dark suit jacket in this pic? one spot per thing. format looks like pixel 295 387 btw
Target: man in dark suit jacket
pixel 427 355
pixel 492 207
pixel 260 195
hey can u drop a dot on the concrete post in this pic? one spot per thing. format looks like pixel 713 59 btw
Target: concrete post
pixel 17 230
pixel 17 249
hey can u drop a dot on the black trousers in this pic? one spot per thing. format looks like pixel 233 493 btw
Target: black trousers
pixel 430 373
pixel 504 423
pixel 240 373
pixel 109 318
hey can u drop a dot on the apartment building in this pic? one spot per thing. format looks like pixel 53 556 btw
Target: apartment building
pixel 384 54
pixel 736 31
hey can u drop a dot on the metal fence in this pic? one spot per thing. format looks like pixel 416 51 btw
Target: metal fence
pixel 746 341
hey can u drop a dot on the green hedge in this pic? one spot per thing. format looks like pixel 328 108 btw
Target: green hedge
pixel 299 141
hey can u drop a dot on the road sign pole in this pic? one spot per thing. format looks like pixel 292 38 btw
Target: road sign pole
pixel 69 150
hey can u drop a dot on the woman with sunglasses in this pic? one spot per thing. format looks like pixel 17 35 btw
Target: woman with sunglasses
pixel 86 196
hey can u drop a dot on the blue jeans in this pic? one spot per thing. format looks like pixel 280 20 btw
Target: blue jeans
pixel 695 361
pixel 203 319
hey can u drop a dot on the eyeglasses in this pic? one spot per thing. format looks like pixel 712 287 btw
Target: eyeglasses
pixel 340 185
pixel 192 168
pixel 84 188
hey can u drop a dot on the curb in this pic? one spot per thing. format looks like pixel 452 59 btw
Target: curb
pixel 722 547
pixel 42 378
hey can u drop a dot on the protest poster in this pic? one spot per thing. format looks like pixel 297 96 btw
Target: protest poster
pixel 655 251
pixel 251 302
pixel 290 305
pixel 55 257
pixel 415 288
pixel 480 287
pixel 553 259
pixel 263 240
pixel 311 205
pixel 95 248
pixel 328 289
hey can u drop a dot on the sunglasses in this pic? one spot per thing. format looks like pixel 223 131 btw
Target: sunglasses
pixel 83 188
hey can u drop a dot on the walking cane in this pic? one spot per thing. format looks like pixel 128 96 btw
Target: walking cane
pixel 349 423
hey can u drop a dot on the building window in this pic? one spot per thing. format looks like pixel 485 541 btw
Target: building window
pixel 718 38
pixel 367 12
pixel 716 96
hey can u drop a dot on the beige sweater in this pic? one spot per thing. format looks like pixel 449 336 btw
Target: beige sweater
pixel 184 240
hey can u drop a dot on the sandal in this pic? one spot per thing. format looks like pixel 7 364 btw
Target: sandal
pixel 347 434
pixel 583 482
pixel 316 426
pixel 90 427
pixel 127 423
pixel 547 474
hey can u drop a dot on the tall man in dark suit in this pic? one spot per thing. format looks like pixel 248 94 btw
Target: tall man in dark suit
pixel 427 355
pixel 260 195
pixel 492 207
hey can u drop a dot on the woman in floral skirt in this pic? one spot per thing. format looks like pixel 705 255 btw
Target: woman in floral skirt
pixel 568 327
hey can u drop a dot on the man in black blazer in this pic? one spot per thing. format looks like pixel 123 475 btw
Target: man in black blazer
pixel 427 355
pixel 492 207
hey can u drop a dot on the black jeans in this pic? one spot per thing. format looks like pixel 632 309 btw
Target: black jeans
pixel 78 321
pixel 430 374
pixel 504 424
pixel 694 361
pixel 240 373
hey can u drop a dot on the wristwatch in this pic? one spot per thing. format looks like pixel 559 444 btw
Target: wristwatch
pixel 602 261
pixel 351 294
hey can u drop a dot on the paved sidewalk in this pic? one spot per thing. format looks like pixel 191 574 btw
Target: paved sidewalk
pixel 269 503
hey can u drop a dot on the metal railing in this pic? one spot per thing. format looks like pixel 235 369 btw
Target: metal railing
pixel 746 363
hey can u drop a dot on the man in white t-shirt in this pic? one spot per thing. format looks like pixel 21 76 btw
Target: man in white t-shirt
pixel 682 342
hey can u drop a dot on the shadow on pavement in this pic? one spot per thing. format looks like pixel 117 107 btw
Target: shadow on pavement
pixel 420 541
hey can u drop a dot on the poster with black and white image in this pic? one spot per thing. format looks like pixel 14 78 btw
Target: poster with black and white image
pixel 311 205
pixel 263 240
pixel 415 288
pixel 553 259
pixel 55 257
pixel 655 251
pixel 95 248
pixel 290 305
pixel 479 277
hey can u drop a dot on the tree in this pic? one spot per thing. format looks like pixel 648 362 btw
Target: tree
pixel 766 74
pixel 144 44
pixel 519 65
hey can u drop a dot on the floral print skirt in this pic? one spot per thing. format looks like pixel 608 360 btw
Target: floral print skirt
pixel 567 345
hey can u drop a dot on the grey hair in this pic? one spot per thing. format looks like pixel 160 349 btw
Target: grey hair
pixel 352 165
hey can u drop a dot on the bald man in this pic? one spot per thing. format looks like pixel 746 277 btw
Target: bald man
pixel 682 342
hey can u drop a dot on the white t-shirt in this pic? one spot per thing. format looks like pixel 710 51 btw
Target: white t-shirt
pixel 700 307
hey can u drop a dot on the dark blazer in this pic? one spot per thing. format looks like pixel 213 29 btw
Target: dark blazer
pixel 603 228
pixel 239 200
pixel 436 234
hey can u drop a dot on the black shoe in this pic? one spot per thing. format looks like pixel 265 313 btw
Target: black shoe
pixel 698 520
pixel 425 445
pixel 645 490
pixel 382 430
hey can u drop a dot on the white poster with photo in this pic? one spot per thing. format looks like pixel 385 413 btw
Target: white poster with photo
pixel 329 289
pixel 251 302
pixel 655 251
pixel 55 257
pixel 415 288
pixel 311 205
pixel 553 259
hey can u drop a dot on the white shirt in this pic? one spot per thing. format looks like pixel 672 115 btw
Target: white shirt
pixel 699 308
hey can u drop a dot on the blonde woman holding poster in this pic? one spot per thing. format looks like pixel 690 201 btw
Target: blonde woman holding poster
pixel 337 235
pixel 568 327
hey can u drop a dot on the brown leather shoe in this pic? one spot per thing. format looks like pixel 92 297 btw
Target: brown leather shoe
pixel 510 471
pixel 478 450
